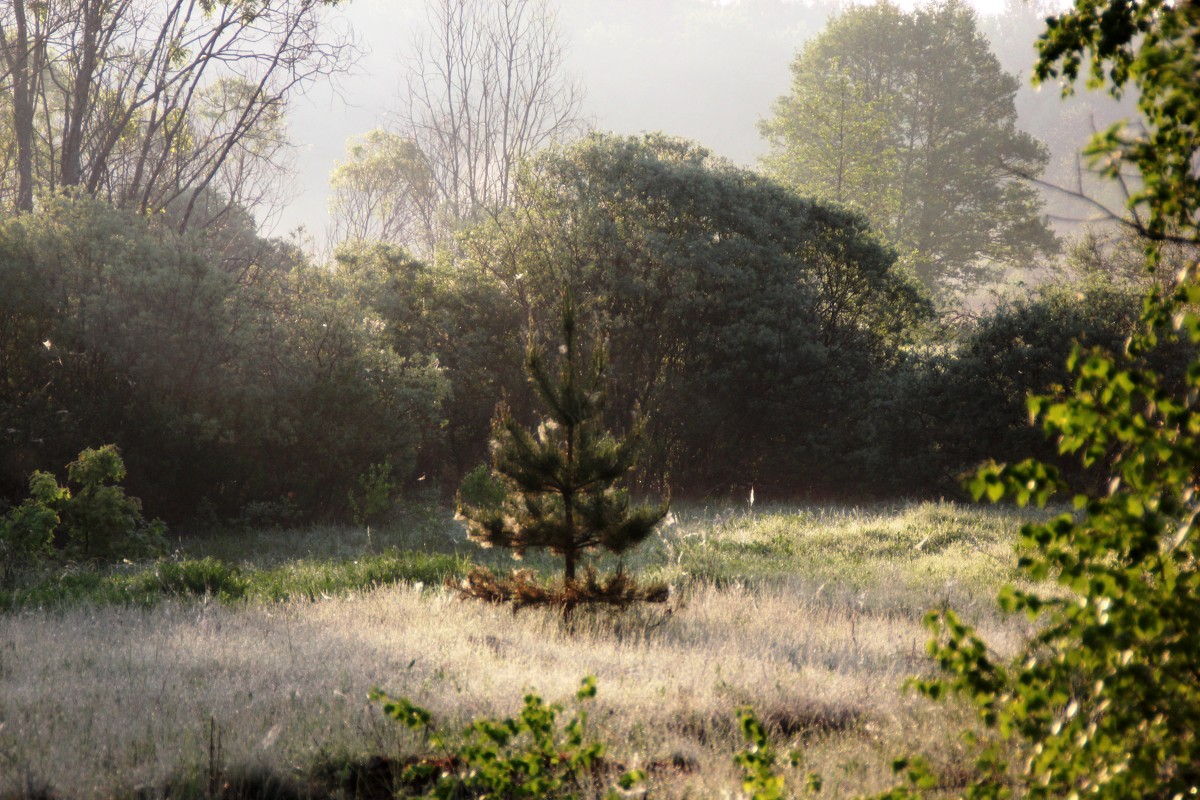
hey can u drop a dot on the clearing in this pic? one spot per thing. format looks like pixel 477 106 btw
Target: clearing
pixel 810 614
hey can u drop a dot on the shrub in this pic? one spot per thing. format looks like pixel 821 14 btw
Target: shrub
pixel 527 756
pixel 1103 699
pixel 481 489
pixel 373 500
pixel 761 779
pixel 950 411
pixel 270 514
pixel 532 756
pixel 27 531
pixel 98 521
pixel 227 378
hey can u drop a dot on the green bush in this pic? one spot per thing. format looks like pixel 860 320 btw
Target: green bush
pixel 27 531
pixel 953 409
pixel 270 514
pixel 481 489
pixel 1103 699
pixel 224 386
pixel 373 499
pixel 533 756
pixel 527 756
pixel 761 779
pixel 98 521
pixel 464 318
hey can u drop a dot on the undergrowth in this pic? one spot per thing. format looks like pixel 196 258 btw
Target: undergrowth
pixel 856 548
pixel 209 577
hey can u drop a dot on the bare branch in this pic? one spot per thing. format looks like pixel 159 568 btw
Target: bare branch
pixel 133 100
pixel 486 88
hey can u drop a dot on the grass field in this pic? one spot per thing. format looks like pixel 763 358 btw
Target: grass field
pixel 810 614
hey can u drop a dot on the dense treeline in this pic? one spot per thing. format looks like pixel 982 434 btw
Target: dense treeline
pixel 224 383
pixel 734 310
pixel 957 405
pixel 769 340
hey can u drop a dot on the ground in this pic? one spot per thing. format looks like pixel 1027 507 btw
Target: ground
pixel 812 615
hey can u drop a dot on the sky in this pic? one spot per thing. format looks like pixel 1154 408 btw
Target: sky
pixel 703 69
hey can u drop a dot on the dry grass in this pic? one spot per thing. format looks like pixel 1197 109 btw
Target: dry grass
pixel 100 702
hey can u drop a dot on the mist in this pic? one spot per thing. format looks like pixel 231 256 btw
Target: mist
pixel 704 70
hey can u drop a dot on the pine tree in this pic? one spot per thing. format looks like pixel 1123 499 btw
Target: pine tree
pixel 562 480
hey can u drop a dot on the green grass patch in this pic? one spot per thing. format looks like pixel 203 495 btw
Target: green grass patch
pixel 917 545
pixel 212 578
pixel 423 527
pixel 854 547
pixel 312 579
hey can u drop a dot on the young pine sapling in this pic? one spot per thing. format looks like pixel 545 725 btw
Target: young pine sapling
pixel 562 481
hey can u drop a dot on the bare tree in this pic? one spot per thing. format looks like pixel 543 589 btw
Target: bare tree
pixel 487 88
pixel 165 106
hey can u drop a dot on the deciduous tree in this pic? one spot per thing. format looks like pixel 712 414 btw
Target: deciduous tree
pixel 223 386
pixel 382 191
pixel 703 276
pixel 155 105
pixel 909 118
pixel 1103 700
pixel 487 88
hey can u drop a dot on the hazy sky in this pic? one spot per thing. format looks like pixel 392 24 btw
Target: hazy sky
pixel 696 68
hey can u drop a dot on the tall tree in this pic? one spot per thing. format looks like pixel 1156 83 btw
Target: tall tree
pixel 849 146
pixel 909 117
pixel 154 105
pixel 487 88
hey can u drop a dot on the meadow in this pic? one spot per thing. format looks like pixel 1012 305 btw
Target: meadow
pixel 254 669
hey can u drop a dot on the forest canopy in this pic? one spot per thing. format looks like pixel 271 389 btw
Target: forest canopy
pixel 704 276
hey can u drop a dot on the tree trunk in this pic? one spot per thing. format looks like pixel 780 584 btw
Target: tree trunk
pixel 17 51
pixel 71 160
pixel 23 129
